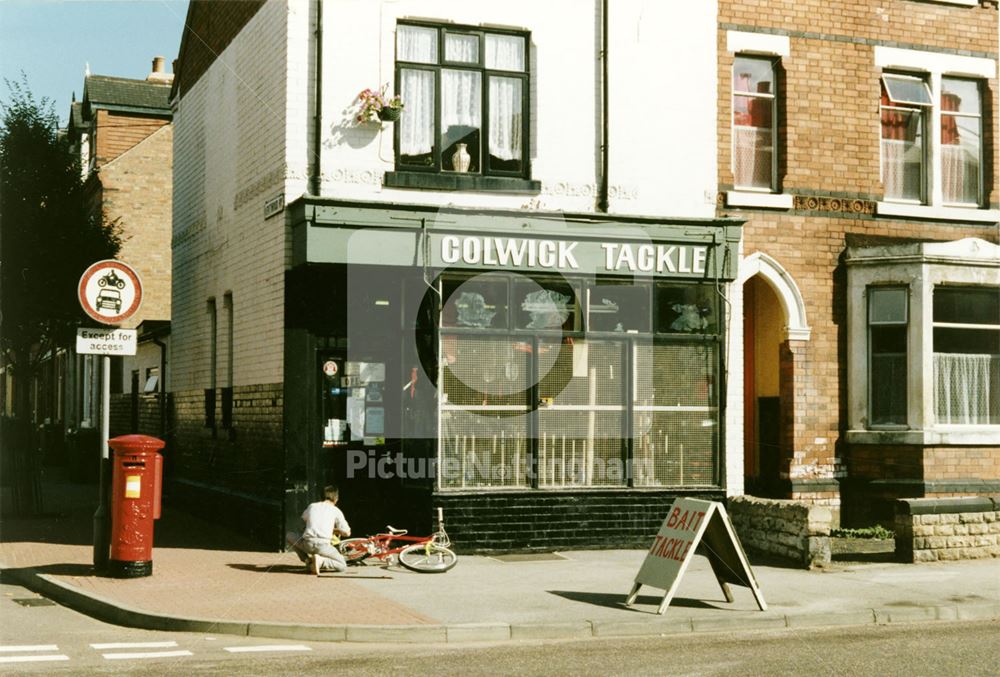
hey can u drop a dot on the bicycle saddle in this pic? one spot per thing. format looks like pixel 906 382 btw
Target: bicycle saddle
pixel 394 531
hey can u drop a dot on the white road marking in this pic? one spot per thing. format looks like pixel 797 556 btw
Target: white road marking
pixel 30 647
pixel 268 647
pixel 33 658
pixel 133 645
pixel 147 654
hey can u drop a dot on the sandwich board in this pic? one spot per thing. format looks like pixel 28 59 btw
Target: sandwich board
pixel 690 523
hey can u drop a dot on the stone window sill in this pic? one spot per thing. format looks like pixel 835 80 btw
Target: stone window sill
pixel 455 181
pixel 736 198
pixel 938 213
pixel 977 435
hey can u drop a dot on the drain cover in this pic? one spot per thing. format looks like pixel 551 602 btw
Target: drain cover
pixel 529 557
pixel 34 601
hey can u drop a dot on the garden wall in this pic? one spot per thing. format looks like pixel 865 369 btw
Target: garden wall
pixel 930 529
pixel 792 530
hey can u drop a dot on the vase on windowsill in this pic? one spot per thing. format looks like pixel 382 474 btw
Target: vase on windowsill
pixel 460 159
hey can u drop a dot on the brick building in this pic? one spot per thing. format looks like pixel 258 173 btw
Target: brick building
pixel 858 140
pixel 531 300
pixel 122 130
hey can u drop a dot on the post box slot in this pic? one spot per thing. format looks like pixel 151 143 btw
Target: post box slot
pixel 138 464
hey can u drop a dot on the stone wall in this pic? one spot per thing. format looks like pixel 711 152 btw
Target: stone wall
pixel 792 530
pixel 931 529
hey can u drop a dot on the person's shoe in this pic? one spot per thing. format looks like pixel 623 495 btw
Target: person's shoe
pixel 315 565
pixel 309 563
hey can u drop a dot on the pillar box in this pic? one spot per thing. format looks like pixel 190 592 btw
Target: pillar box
pixel 136 484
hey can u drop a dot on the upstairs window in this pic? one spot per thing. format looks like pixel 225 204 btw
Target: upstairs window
pixel 961 142
pixel 465 93
pixel 754 123
pixel 905 102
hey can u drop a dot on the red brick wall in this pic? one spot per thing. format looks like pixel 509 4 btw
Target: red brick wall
pixel 119 132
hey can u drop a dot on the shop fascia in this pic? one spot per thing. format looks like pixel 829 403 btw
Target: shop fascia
pixel 561 255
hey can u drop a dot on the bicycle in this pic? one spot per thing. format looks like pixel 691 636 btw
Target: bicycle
pixel 423 554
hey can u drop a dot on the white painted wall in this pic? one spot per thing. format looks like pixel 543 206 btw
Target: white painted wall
pixel 230 142
pixel 662 74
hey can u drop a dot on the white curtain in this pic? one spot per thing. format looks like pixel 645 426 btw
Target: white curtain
pixel 966 388
pixel 505 118
pixel 416 125
pixel 960 173
pixel 461 99
pixel 414 43
pixel 505 52
pixel 463 48
pixel 752 156
pixel 901 162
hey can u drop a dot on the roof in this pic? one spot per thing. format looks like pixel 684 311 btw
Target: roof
pixel 110 93
pixel 76 114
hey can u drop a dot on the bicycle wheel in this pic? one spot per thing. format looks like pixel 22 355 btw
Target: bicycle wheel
pixel 428 558
pixel 354 549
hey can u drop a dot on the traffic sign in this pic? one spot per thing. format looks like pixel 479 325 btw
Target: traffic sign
pixel 106 341
pixel 110 291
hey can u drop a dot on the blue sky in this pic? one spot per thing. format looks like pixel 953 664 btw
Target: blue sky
pixel 53 40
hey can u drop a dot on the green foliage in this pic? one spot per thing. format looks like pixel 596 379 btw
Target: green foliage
pixel 877 531
pixel 49 235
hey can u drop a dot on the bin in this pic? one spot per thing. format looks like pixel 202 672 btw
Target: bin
pixel 136 488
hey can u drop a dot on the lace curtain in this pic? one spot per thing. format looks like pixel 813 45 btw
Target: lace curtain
pixel 967 388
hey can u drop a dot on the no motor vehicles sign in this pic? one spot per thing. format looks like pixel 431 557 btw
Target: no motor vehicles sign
pixel 110 291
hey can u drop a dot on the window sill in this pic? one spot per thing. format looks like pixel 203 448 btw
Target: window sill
pixel 977 435
pixel 471 182
pixel 765 200
pixel 938 213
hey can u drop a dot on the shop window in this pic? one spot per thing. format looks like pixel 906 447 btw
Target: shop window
pixel 906 101
pixel 620 308
pixel 675 425
pixel 887 327
pixel 465 93
pixel 754 123
pixel 537 403
pixel 967 355
pixel 687 309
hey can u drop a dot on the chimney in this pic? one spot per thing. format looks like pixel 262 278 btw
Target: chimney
pixel 159 74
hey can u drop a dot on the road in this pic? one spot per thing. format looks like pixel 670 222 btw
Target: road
pixel 37 636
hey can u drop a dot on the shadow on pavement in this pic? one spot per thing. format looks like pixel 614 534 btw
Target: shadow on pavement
pixel 617 600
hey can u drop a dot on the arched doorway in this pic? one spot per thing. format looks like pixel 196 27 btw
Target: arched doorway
pixel 773 314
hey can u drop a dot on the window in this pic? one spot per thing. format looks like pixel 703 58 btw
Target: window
pixel 754 123
pixel 905 101
pixel 466 101
pixel 887 325
pixel 961 141
pixel 552 383
pixel 967 355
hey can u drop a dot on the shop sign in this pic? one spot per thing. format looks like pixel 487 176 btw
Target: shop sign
pixel 565 255
pixel 691 522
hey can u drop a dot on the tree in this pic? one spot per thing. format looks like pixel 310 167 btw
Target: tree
pixel 48 237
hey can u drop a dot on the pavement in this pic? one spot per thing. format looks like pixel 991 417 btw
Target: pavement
pixel 206 579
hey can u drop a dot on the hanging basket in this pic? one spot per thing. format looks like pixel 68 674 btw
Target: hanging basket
pixel 389 114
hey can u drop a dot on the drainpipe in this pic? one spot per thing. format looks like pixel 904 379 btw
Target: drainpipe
pixel 314 188
pixel 602 190
pixel 163 386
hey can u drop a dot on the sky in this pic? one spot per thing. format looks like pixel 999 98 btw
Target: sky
pixel 52 41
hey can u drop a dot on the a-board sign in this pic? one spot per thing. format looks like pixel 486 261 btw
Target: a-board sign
pixel 690 523
pixel 110 291
pixel 90 341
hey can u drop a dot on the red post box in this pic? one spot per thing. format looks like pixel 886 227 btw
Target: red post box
pixel 136 478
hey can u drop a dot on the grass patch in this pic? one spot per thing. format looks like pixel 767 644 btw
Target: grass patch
pixel 877 531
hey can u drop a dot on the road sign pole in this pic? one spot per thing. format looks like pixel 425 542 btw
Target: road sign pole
pixel 102 531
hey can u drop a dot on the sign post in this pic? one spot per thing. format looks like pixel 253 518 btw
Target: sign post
pixel 691 523
pixel 110 292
